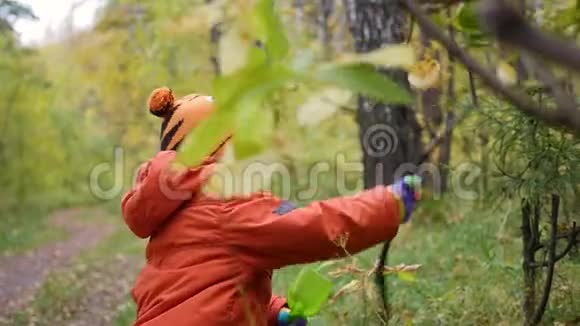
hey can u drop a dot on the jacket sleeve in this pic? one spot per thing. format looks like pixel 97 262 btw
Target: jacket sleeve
pixel 276 304
pixel 323 230
pixel 160 189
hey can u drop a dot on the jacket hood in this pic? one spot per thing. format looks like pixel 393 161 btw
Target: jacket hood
pixel 162 187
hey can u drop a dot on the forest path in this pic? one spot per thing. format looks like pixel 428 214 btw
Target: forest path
pixel 22 275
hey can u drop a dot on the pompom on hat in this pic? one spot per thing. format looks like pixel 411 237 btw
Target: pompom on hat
pixel 179 116
pixel 161 101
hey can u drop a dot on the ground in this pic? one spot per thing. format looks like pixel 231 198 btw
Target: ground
pixel 74 281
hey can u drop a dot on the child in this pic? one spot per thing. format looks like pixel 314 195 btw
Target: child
pixel 209 259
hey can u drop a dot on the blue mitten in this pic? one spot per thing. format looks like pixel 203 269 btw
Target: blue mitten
pixel 407 192
pixel 284 319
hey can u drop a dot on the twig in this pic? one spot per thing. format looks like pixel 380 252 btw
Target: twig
pixel 451 122
pixel 556 118
pixel 544 74
pixel 571 243
pixel 410 36
pixel 473 90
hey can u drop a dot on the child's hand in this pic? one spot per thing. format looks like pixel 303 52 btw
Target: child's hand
pixel 408 192
pixel 284 319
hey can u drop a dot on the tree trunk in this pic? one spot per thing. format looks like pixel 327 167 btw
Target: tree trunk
pixel 340 32
pixel 215 34
pixel 528 251
pixel 551 260
pixel 389 134
pixel 326 7
pixel 299 6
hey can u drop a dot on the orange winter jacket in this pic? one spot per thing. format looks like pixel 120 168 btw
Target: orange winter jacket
pixel 210 260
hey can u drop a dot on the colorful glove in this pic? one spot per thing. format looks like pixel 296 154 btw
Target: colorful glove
pixel 284 319
pixel 407 192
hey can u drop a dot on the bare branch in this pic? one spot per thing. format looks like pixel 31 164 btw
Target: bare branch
pixel 509 26
pixel 571 242
pixel 561 117
pixel 451 122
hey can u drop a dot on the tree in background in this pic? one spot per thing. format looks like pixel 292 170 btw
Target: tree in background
pixel 374 24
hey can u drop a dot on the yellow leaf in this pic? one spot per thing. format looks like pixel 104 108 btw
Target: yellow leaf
pixel 407 276
pixel 321 106
pixel 506 74
pixel 401 56
pixel 425 74
pixel 233 51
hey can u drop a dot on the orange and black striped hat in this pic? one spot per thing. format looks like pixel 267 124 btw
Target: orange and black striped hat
pixel 179 116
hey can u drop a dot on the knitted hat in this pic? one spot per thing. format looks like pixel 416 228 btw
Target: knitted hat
pixel 179 116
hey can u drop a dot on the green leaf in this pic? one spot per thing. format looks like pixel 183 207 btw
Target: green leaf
pixel 467 21
pixel 365 79
pixel 237 95
pixel 308 293
pixel 271 31
pixel 254 131
pixel 205 138
pixel 467 18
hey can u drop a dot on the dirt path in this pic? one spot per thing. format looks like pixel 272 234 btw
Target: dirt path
pixel 22 275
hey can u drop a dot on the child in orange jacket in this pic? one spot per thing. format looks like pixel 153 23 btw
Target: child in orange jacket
pixel 210 259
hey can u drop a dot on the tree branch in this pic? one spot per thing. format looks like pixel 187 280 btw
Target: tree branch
pixel 571 242
pixel 509 26
pixel 451 122
pixel 556 118
pixel 563 99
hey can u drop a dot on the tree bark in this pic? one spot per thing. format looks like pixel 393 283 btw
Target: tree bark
pixel 389 134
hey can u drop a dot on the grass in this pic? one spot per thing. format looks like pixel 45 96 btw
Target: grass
pixel 57 301
pixel 26 228
pixel 470 275
pixel 127 314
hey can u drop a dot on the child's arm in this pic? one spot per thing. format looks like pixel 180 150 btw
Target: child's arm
pixel 160 190
pixel 323 230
